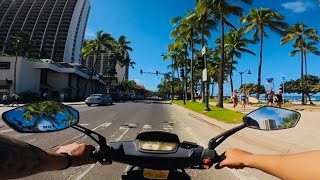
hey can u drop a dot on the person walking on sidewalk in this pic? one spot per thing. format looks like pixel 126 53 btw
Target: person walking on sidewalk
pixel 5 100
pixel 14 99
pixel 62 97
pixel 243 99
pixel 279 98
pixel 269 97
pixel 234 98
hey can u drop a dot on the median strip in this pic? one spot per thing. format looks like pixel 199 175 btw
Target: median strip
pixel 219 114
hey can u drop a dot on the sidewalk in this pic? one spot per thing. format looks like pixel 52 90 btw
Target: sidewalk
pixel 304 137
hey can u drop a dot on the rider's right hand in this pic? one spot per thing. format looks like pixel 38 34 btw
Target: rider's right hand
pixel 81 153
pixel 235 158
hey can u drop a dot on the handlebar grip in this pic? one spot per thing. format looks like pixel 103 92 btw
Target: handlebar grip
pixel 101 156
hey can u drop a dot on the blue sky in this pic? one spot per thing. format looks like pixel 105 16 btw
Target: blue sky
pixel 146 24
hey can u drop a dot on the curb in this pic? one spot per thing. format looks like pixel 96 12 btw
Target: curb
pixel 249 135
pixel 75 103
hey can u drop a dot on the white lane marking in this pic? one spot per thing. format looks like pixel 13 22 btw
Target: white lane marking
pixel 146 127
pixel 122 135
pixel 85 172
pixel 241 173
pixel 92 166
pixel 70 140
pixel 84 124
pixel 4 131
pixel 102 125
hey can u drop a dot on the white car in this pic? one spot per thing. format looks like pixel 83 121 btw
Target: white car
pixel 101 99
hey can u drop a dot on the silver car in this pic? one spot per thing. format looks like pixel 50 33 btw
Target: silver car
pixel 101 99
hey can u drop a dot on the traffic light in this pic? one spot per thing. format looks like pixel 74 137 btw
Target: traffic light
pixel 182 73
pixel 141 71
pixel 201 62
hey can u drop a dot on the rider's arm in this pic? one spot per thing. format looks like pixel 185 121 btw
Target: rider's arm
pixel 293 166
pixel 19 159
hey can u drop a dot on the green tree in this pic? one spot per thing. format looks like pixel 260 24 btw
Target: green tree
pixel 299 33
pixel 259 20
pixel 235 45
pixel 94 48
pixel 252 88
pixel 207 22
pixel 19 45
pixel 221 9
pixel 308 84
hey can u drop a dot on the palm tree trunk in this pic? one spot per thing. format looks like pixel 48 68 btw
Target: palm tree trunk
pixel 302 59
pixel 212 89
pixel 305 63
pixel 202 45
pixel 186 74
pixel 191 47
pixel 221 71
pixel 308 95
pixel 15 74
pixel 230 75
pixel 260 63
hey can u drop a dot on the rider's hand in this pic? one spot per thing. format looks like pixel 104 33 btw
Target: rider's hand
pixel 81 154
pixel 235 158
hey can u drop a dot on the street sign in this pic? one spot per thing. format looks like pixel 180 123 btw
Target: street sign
pixel 204 75
pixel 203 51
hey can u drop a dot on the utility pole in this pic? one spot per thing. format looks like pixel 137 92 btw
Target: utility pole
pixel 205 79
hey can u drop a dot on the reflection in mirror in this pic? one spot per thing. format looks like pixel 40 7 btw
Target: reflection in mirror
pixel 47 116
pixel 272 118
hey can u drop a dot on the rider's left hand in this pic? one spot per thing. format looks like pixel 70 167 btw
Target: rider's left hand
pixel 81 153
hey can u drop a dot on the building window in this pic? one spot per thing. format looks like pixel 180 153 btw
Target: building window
pixel 4 65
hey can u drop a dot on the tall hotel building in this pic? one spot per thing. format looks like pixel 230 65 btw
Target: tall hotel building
pixel 56 27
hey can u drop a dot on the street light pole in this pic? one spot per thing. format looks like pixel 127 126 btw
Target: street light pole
pixel 241 73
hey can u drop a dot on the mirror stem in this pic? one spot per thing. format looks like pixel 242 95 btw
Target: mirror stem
pixel 100 140
pixel 216 141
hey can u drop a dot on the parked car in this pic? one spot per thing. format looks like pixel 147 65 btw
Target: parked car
pixel 100 99
pixel 117 97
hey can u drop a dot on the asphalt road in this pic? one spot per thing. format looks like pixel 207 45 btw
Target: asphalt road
pixel 109 121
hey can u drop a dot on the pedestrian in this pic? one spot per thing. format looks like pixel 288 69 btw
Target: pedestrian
pixel 279 98
pixel 5 100
pixel 243 99
pixel 269 97
pixel 62 97
pixel 14 99
pixel 234 98
pixel 44 96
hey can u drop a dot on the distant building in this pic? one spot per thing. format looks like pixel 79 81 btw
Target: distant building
pixel 269 124
pixel 56 27
pixel 44 75
pixel 103 67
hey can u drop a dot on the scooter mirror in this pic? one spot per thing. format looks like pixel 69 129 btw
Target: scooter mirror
pixel 271 118
pixel 46 116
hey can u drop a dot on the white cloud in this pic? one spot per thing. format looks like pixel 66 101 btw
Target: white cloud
pixel 90 34
pixel 298 6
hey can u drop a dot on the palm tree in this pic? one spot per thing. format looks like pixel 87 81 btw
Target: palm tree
pixel 220 9
pixel 94 49
pixel 299 33
pixel 258 20
pixel 235 45
pixel 20 45
pixel 187 31
pixel 181 39
pixel 304 47
pixel 206 22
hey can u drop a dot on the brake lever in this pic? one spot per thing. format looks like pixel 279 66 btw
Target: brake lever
pixel 219 159
pixel 102 153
